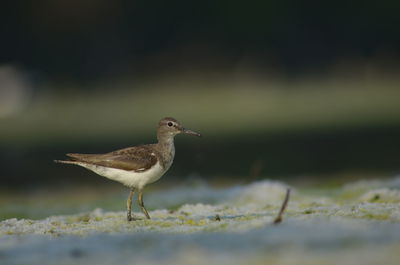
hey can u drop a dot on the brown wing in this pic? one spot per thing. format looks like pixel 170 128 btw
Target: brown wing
pixel 139 158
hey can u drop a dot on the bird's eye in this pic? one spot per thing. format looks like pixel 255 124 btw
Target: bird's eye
pixel 170 124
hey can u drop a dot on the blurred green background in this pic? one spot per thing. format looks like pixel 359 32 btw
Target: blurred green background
pixel 279 89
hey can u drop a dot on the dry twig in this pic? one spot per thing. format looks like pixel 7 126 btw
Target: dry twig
pixel 278 218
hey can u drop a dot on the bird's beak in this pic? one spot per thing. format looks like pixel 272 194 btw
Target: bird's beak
pixel 186 131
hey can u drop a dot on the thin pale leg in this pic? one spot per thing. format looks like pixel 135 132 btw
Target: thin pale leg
pixel 141 204
pixel 129 205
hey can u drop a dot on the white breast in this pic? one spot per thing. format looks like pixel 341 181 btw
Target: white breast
pixel 129 178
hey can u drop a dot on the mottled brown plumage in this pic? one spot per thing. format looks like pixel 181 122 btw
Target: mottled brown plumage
pixel 137 158
pixel 135 166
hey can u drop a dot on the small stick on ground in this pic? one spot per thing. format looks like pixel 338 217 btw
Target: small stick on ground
pixel 278 218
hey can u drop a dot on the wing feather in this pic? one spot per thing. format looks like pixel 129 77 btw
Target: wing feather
pixel 139 158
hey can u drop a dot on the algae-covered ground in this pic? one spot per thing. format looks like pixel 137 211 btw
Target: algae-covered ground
pixel 357 223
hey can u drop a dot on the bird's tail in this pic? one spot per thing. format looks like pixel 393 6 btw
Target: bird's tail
pixel 66 162
pixel 75 159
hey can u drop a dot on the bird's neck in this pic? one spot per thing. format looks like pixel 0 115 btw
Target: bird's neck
pixel 167 148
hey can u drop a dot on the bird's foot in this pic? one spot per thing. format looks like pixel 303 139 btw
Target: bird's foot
pixel 130 218
pixel 135 218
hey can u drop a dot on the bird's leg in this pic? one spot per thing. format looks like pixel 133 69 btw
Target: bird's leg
pixel 129 205
pixel 141 204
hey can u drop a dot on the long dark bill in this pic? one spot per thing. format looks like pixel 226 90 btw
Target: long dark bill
pixel 186 131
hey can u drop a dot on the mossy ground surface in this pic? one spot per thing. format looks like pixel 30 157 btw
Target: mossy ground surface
pixel 358 223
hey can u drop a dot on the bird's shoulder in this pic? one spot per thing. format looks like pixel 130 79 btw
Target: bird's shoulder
pixel 140 151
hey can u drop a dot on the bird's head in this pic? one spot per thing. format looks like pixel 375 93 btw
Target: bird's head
pixel 171 127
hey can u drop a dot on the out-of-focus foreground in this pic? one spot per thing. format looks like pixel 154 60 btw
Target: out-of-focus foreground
pixel 357 223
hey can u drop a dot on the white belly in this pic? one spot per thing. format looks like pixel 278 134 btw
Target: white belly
pixel 129 178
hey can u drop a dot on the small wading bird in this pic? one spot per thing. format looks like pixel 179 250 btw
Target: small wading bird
pixel 136 166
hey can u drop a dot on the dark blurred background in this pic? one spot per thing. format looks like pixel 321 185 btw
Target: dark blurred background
pixel 280 89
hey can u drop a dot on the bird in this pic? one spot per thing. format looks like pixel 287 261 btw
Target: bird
pixel 136 166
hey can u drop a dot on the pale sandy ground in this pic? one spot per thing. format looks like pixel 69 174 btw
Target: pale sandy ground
pixel 358 223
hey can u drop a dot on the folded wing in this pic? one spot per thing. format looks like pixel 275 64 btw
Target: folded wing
pixel 134 159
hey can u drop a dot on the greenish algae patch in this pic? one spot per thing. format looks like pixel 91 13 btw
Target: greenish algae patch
pixel 309 211
pixel 192 222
